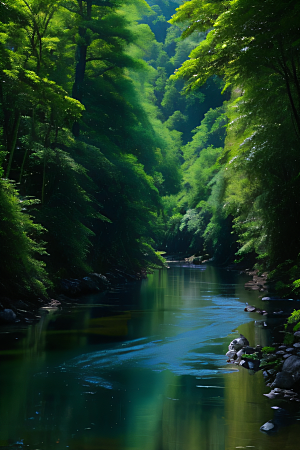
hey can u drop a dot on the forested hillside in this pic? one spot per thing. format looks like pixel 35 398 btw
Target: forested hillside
pixel 82 163
pixel 124 131
pixel 254 47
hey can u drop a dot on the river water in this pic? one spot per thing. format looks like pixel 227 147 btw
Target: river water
pixel 143 368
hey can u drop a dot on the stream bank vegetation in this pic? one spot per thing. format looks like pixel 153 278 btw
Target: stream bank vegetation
pixel 127 127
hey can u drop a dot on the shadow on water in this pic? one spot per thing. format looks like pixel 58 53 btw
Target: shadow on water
pixel 141 369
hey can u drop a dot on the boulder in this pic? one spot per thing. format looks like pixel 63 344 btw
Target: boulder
pixel 7 316
pixel 249 350
pixel 292 366
pixel 238 343
pixel 250 308
pixel 70 287
pixel 231 354
pixel 284 379
pixel 239 355
pixel 268 427
pixel 88 286
pixel 101 280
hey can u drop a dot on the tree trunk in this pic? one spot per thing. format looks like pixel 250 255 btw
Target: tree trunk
pixel 12 140
pixel 81 52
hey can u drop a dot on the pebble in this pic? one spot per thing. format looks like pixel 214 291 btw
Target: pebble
pixel 297 345
pixel 289 392
pixel 280 352
pixel 268 426
pixel 290 350
pixel 286 355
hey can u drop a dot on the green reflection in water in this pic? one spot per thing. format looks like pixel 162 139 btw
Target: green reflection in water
pixel 148 375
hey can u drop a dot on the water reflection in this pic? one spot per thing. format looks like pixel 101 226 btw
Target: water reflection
pixel 147 372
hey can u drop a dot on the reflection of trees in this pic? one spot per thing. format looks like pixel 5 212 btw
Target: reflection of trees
pixel 41 406
pixel 147 410
pixel 246 409
pixel 174 414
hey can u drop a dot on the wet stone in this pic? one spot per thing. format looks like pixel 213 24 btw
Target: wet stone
pixel 268 427
pixel 280 352
pixel 290 350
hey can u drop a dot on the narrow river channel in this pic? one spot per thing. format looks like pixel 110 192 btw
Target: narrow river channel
pixel 142 368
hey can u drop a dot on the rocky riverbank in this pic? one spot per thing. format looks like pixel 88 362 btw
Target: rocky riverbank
pixel 280 362
pixel 69 291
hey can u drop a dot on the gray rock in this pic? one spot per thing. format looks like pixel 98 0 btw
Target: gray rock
pixel 231 354
pixel 286 355
pixel 290 393
pixel 271 395
pixel 101 280
pixel 292 365
pixel 239 355
pixel 297 333
pixel 249 350
pixel 282 347
pixel 297 345
pixel 280 352
pixel 238 343
pixel 284 380
pixel 87 286
pixel 7 316
pixel 290 350
pixel 268 427
pixel 70 287
pixel 250 308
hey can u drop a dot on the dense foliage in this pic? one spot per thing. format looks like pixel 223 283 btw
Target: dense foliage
pixel 124 130
pixel 76 137
pixel 254 47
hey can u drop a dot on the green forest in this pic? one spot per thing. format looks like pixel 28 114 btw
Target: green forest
pixel 130 129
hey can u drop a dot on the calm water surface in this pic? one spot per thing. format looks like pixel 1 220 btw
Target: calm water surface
pixel 141 370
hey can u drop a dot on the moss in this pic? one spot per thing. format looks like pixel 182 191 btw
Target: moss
pixel 296 327
pixel 268 349
pixel 254 356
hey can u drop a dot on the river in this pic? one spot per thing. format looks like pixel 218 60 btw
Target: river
pixel 141 368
